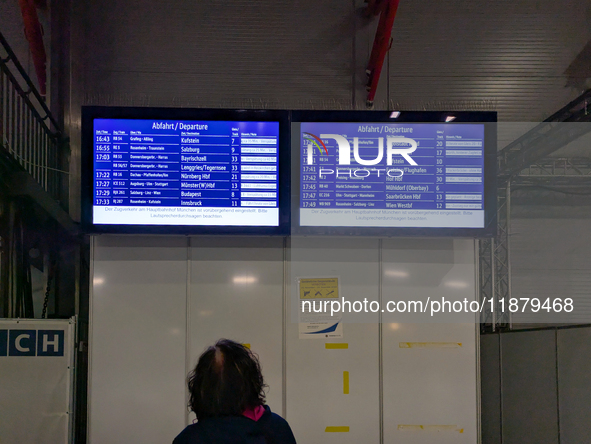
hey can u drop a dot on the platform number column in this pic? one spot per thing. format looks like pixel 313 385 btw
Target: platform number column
pixel 439 170
pixel 235 169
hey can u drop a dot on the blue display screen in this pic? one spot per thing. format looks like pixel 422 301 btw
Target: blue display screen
pixel 415 175
pixel 178 172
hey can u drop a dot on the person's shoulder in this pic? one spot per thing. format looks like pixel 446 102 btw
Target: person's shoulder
pixel 279 426
pixel 277 419
pixel 187 435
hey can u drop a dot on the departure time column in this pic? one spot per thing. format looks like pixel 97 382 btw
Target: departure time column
pixel 309 178
pixel 103 167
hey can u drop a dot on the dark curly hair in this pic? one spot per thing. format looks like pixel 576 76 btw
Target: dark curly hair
pixel 226 381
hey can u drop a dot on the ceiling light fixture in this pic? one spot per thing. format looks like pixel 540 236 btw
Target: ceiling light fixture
pixel 396 273
pixel 245 280
pixel 456 284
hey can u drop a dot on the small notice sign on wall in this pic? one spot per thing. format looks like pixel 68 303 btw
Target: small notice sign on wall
pixel 315 318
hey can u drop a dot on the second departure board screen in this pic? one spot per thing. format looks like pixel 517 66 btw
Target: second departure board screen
pixel 408 175
pixel 181 172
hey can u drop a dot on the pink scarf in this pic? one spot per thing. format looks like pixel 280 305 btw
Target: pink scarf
pixel 254 414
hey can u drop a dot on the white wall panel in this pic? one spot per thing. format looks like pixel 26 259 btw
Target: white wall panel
pixel 137 339
pixel 429 270
pixel 237 293
pixel 430 385
pixel 430 393
pixel 315 398
pixel 141 349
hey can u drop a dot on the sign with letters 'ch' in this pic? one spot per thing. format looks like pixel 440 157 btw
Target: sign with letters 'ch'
pixel 24 342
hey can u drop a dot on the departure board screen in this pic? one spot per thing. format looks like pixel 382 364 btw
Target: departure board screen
pixel 407 175
pixel 185 172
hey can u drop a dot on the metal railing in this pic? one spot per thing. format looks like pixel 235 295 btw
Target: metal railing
pixel 28 132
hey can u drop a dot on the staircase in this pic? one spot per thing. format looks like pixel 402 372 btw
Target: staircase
pixel 31 140
pixel 37 234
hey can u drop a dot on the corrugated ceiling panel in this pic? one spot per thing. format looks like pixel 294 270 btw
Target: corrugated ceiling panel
pixel 512 54
pixel 452 54
pixel 207 53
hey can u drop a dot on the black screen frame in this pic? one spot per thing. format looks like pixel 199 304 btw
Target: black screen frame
pixel 488 118
pixel 89 113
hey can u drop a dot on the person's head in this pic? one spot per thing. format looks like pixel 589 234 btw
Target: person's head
pixel 226 381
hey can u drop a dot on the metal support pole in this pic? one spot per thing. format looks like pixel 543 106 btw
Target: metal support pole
pixel 508 246
pixel 493 281
pixel 486 273
pixel 501 257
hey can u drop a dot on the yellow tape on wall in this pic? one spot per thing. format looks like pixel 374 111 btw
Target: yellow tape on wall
pixel 346 383
pixel 337 429
pixel 336 346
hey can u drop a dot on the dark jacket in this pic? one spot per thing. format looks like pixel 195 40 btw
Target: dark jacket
pixel 269 429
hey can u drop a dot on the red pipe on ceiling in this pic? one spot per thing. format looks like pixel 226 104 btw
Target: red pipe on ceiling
pixel 34 34
pixel 381 43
